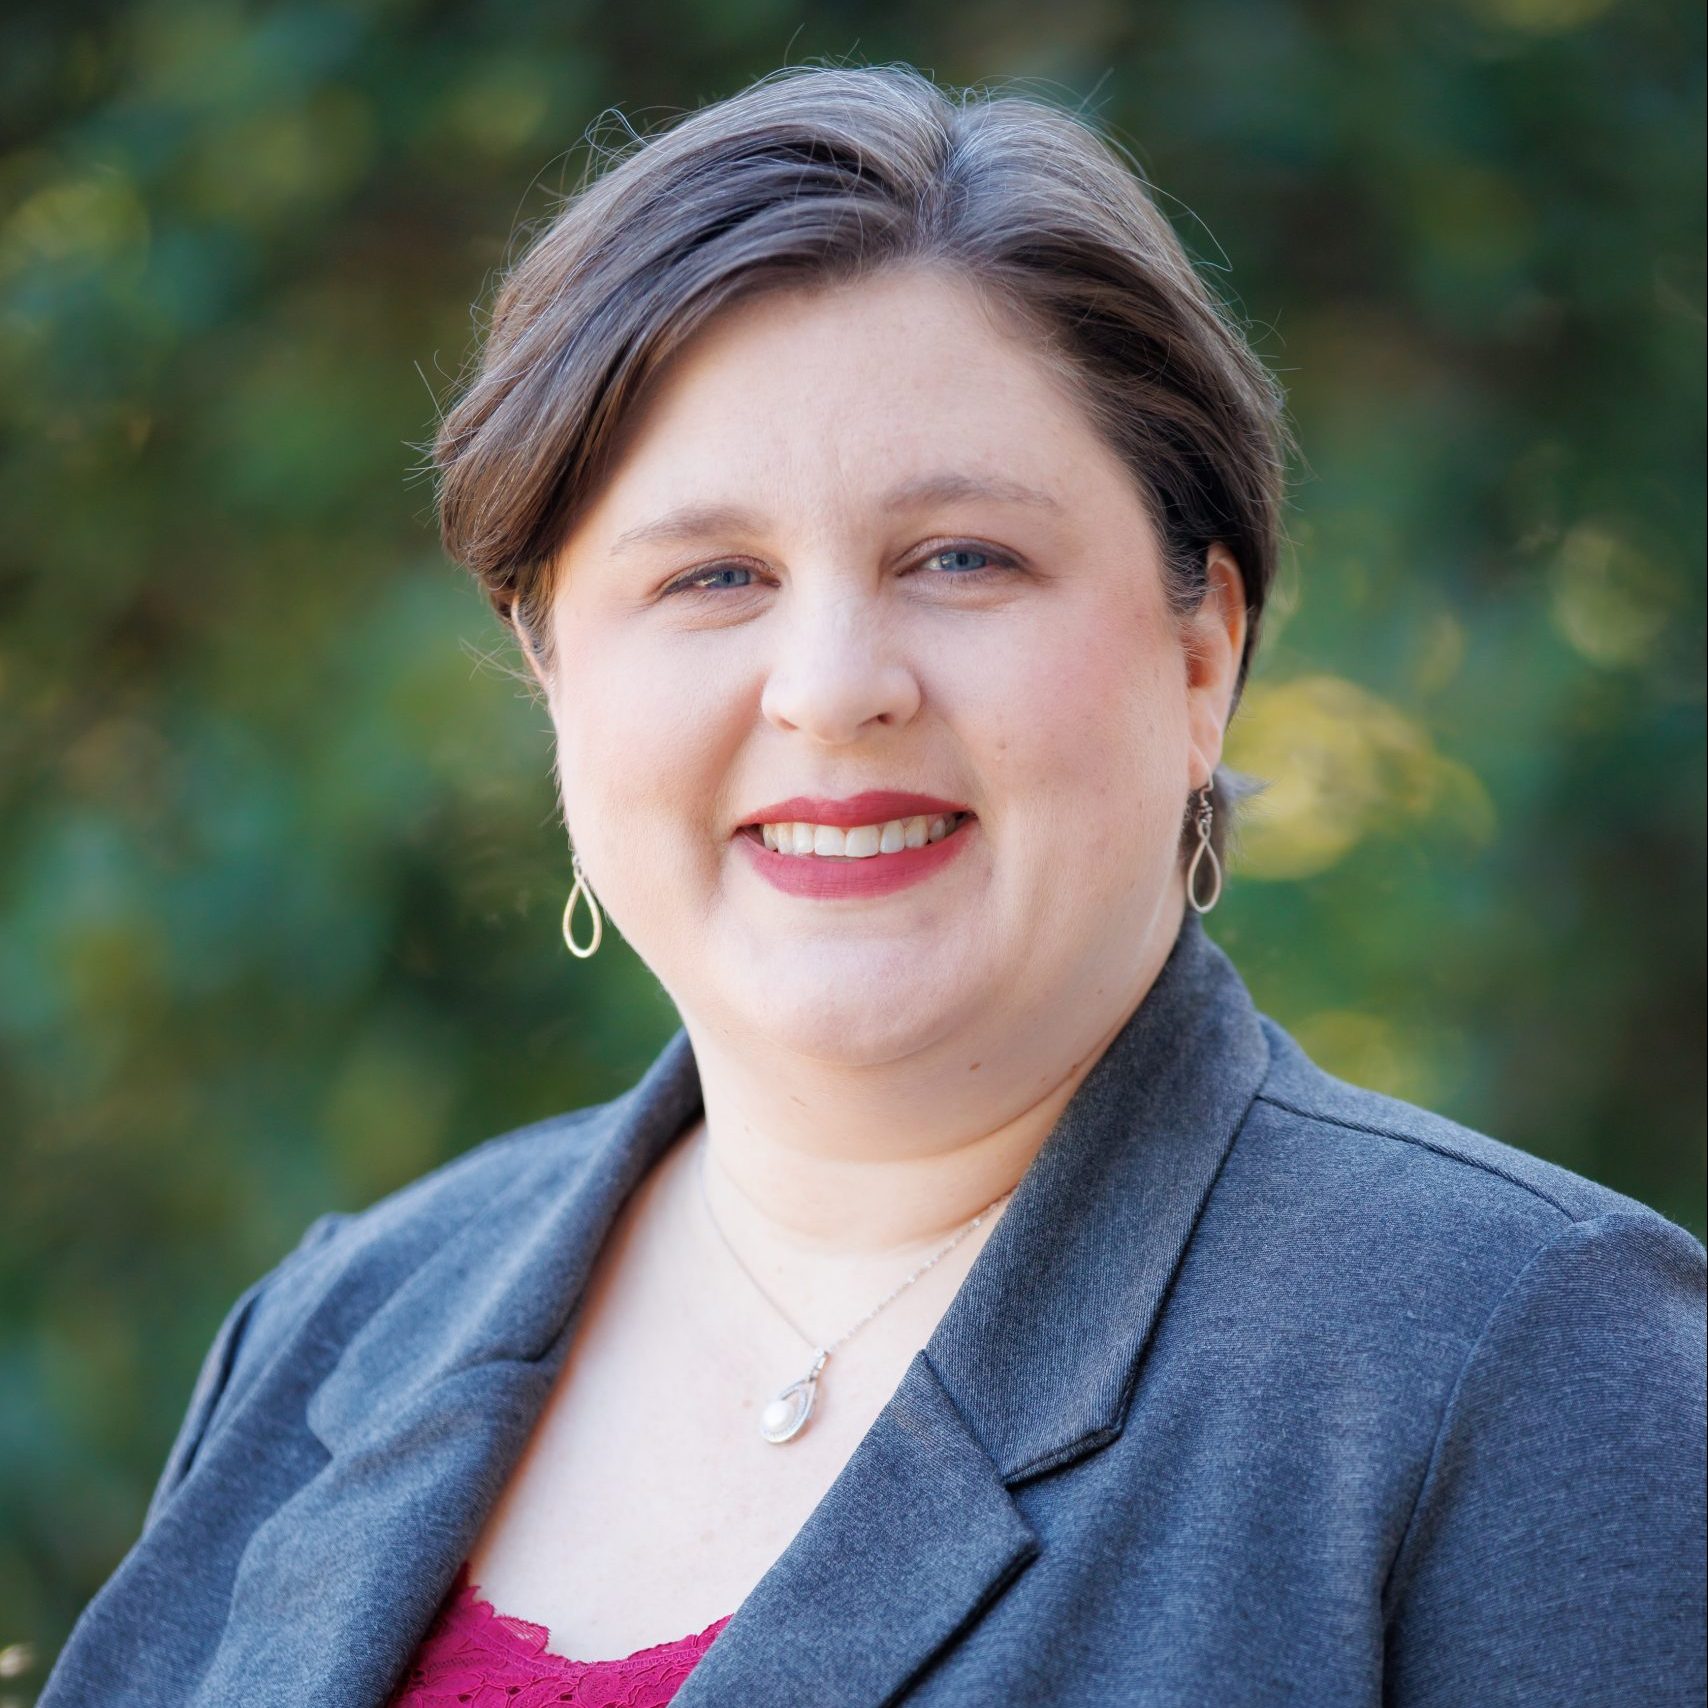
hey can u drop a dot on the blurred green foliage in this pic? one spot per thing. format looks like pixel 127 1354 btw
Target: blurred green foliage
pixel 279 868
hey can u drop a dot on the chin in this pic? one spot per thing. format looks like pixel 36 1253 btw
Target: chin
pixel 853 1033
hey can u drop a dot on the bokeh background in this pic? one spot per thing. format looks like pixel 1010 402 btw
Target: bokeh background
pixel 280 873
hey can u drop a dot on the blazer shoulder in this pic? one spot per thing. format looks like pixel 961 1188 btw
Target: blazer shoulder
pixel 1462 1170
pixel 1413 1232
pixel 427 1209
pixel 370 1252
pixel 362 1256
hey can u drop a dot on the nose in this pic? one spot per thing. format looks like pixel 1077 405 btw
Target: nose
pixel 837 673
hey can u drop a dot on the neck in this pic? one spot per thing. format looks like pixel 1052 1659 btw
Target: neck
pixel 810 1164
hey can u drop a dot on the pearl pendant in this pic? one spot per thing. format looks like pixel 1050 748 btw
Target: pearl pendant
pixel 786 1416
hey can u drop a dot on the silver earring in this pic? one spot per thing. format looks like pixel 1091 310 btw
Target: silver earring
pixel 1206 817
pixel 581 888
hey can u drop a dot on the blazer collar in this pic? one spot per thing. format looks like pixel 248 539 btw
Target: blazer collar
pixel 1031 1367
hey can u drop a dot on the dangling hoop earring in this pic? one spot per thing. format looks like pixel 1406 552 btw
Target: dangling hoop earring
pixel 1206 817
pixel 581 888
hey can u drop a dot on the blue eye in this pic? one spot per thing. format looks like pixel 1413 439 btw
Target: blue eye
pixel 962 563
pixel 706 580
pixel 961 554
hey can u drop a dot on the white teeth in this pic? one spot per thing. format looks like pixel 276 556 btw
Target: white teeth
pixel 861 842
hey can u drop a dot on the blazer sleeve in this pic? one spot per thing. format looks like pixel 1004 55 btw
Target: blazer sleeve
pixel 1555 1552
pixel 213 1381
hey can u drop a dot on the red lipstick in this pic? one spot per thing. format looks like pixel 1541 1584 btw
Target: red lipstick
pixel 830 877
pixel 875 806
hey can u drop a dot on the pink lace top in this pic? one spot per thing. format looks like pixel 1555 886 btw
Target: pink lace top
pixel 476 1657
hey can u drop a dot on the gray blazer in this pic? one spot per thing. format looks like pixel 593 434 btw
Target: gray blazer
pixel 1265 1389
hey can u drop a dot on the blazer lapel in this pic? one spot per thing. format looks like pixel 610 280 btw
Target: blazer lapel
pixel 1032 1366
pixel 425 1413
pixel 914 1538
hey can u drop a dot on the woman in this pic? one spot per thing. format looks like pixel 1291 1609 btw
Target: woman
pixel 978 1301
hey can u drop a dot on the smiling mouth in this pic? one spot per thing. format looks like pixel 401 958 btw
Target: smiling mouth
pixel 862 842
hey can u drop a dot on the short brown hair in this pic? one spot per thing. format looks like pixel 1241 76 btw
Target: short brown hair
pixel 822 174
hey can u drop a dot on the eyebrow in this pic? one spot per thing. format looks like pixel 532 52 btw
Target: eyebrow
pixel 694 521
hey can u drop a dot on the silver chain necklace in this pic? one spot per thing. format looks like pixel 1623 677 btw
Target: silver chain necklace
pixel 786 1415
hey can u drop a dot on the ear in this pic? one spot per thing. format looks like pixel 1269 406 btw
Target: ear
pixel 1215 643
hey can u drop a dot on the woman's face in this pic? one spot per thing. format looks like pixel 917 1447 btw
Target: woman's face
pixel 860 539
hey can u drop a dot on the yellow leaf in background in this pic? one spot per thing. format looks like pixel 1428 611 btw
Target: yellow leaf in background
pixel 1340 762
pixel 1608 600
pixel 1365 1049
pixel 1537 17
pixel 97 219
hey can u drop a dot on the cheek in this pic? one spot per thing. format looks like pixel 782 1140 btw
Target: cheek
pixel 1086 717
pixel 640 740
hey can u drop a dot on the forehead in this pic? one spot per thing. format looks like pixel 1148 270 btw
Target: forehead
pixel 836 393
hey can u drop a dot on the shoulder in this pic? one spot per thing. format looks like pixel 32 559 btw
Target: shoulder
pixel 1528 1344
pixel 1379 1199
pixel 1436 1162
pixel 358 1259
pixel 1439 1153
pixel 438 1202
pixel 348 1263
pixel 393 1234
pixel 1510 1328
